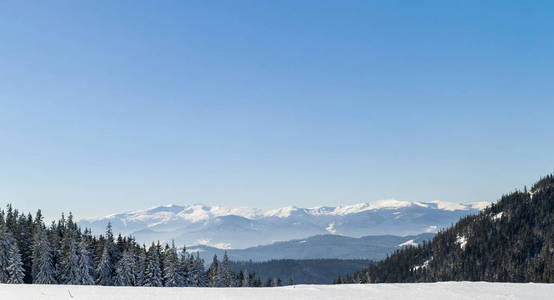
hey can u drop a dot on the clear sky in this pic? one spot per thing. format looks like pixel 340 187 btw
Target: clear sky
pixel 114 105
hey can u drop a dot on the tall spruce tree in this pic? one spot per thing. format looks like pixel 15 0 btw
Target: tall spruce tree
pixel 69 263
pixel 43 265
pixel 15 265
pixel 140 266
pixel 213 275
pixel 185 268
pixel 105 268
pixel 226 275
pixel 152 272
pixel 124 272
pixel 198 271
pixel 84 263
pixel 172 276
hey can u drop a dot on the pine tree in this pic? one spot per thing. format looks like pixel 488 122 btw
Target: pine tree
pixel 105 268
pixel 152 272
pixel 11 266
pixel 140 266
pixel 198 274
pixel 124 272
pixel 5 248
pixel 225 273
pixel 15 265
pixel 245 279
pixel 42 264
pixel 172 277
pixel 69 263
pixel 186 263
pixel 212 275
pixel 84 264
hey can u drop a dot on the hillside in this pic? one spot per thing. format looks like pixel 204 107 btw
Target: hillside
pixel 512 240
pixel 375 247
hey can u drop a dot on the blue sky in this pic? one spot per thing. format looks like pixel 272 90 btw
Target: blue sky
pixel 114 105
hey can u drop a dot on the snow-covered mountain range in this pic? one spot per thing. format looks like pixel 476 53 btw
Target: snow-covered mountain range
pixel 240 227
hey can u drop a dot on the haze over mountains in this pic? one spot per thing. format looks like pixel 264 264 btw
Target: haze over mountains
pixel 240 227
pixel 373 247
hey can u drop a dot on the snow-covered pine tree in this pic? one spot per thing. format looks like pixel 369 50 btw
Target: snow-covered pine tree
pixel 55 235
pixel 172 277
pixel 185 267
pixel 152 272
pixel 11 266
pixel 124 272
pixel 192 277
pixel 69 263
pixel 42 264
pixel 4 254
pixel 104 268
pixel 15 265
pixel 84 264
pixel 245 279
pixel 161 255
pixel 213 275
pixel 199 276
pixel 226 275
pixel 5 247
pixel 140 266
pixel 24 238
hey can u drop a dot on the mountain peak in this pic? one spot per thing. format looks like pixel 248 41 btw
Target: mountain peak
pixel 244 226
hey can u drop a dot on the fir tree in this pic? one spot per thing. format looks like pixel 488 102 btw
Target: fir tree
pixel 84 263
pixel 5 247
pixel 172 277
pixel 152 272
pixel 140 266
pixel 198 274
pixel 245 282
pixel 15 265
pixel 69 263
pixel 105 268
pixel 225 273
pixel 43 266
pixel 186 263
pixel 213 278
pixel 124 272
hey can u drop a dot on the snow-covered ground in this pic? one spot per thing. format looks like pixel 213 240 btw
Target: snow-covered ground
pixel 423 291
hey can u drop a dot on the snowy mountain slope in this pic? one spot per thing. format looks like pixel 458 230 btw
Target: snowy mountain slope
pixel 320 246
pixel 415 291
pixel 239 227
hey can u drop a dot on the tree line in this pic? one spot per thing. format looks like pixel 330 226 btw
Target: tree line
pixel 62 253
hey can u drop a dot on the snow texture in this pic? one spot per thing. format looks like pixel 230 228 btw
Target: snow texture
pixel 415 291
pixel 498 216
pixel 408 243
pixel 462 241
pixel 423 266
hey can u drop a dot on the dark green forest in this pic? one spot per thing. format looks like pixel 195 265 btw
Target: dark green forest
pixel 302 271
pixel 510 241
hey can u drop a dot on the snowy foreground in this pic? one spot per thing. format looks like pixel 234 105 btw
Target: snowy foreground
pixel 427 291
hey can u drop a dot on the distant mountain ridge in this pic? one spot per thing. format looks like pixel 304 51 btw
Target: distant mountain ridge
pixel 327 246
pixel 240 227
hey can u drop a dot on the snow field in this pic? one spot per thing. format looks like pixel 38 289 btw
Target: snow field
pixel 412 291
